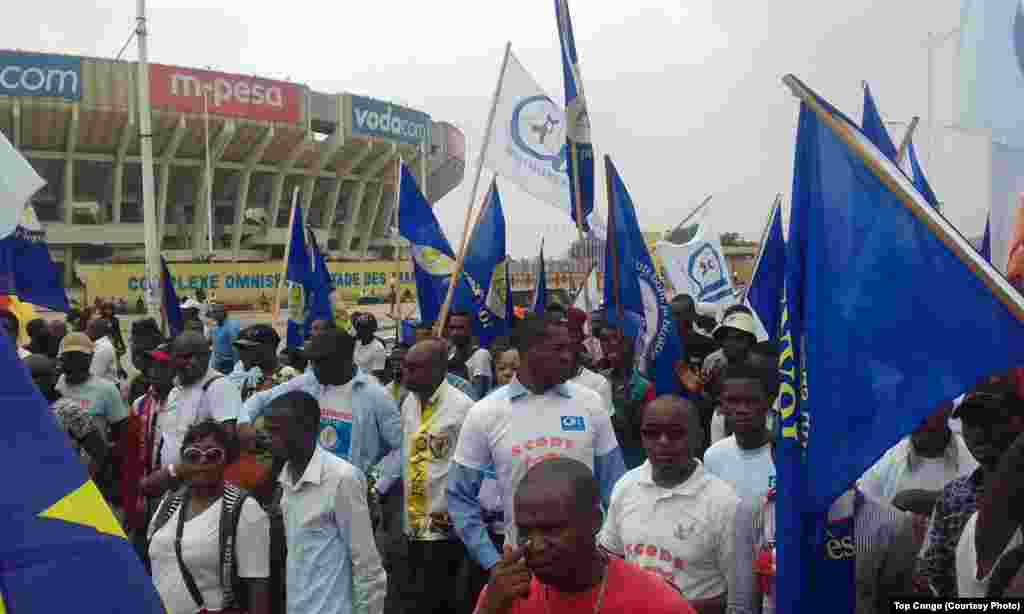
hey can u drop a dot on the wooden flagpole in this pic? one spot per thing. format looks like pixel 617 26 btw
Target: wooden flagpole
pixel 905 144
pixel 466 228
pixel 900 185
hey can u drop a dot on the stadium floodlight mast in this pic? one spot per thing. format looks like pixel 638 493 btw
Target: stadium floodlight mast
pixel 149 218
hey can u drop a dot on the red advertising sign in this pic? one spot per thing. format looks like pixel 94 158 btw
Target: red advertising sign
pixel 182 89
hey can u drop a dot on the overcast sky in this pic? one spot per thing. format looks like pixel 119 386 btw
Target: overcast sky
pixel 685 96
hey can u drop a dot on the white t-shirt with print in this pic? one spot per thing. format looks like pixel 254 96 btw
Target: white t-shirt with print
pixel 967 582
pixel 200 549
pixel 750 472
pixel 598 383
pixel 514 429
pixel 370 357
pixel 221 401
pixel 684 534
pixel 336 419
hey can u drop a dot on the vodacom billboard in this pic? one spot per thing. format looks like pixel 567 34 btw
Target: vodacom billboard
pixel 181 89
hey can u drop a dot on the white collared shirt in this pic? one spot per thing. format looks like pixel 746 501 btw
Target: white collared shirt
pixel 513 429
pixel 596 382
pixel 684 534
pixel 426 481
pixel 333 564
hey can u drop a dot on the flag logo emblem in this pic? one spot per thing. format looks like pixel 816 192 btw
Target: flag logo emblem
pixel 573 423
pixel 539 131
pixel 432 260
pixel 707 272
pixel 498 291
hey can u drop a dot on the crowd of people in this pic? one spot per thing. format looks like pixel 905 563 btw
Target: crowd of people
pixel 541 474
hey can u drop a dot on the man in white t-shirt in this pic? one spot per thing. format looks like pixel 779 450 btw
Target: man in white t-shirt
pixel 533 418
pixel 469 362
pixel 744 458
pixel 199 394
pixel 672 517
pixel 104 358
pixel 370 355
pixel 994 531
pixel 927 460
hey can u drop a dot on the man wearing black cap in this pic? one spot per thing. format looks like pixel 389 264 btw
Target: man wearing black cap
pixel 257 351
pixel 992 416
pixel 359 419
pixel 697 346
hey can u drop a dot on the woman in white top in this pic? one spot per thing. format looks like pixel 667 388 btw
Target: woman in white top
pixel 188 577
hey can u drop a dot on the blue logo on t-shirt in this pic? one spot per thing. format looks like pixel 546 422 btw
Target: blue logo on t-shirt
pixel 573 423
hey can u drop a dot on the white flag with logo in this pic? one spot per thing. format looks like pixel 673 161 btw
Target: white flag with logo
pixel 18 182
pixel 698 267
pixel 528 138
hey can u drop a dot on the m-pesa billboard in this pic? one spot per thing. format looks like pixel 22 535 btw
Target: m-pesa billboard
pixel 182 89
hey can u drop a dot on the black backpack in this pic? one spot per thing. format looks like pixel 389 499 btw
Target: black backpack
pixel 235 593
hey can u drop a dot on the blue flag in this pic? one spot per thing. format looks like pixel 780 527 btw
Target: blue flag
pixel 433 258
pixel 485 271
pixel 540 289
pixel 319 288
pixel 764 295
pixel 920 181
pixel 861 235
pixel 407 332
pixel 874 127
pixel 580 152
pixel 298 273
pixel 171 308
pixel 634 295
pixel 26 269
pixel 62 549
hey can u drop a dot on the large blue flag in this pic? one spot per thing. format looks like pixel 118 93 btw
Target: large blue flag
pixel 432 256
pixel 874 127
pixel 861 235
pixel 540 289
pixel 580 152
pixel 320 288
pixel 26 269
pixel 170 307
pixel 917 176
pixel 310 286
pixel 634 295
pixel 61 548
pixel 485 271
pixel 764 295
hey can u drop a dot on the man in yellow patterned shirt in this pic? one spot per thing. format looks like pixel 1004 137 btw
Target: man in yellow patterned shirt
pixel 432 415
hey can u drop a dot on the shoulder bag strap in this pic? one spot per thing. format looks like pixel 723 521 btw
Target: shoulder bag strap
pixel 231 512
pixel 186 575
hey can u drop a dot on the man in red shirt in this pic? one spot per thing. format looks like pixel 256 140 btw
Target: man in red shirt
pixel 557 566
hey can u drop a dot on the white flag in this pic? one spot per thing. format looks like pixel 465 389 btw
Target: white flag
pixel 698 267
pixel 528 138
pixel 18 182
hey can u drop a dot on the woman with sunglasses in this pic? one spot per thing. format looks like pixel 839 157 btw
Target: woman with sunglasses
pixel 186 535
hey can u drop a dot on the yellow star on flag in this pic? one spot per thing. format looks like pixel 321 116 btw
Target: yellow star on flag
pixel 85 506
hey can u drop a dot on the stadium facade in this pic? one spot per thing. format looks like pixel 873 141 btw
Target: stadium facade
pixel 76 120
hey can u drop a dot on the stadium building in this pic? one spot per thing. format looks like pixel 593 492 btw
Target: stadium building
pixel 76 120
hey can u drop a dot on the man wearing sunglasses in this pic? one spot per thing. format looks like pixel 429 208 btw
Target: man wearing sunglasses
pixel 669 515
pixel 992 417
pixel 359 419
pixel 199 394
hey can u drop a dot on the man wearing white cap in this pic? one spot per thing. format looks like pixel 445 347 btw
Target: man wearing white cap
pixel 736 334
